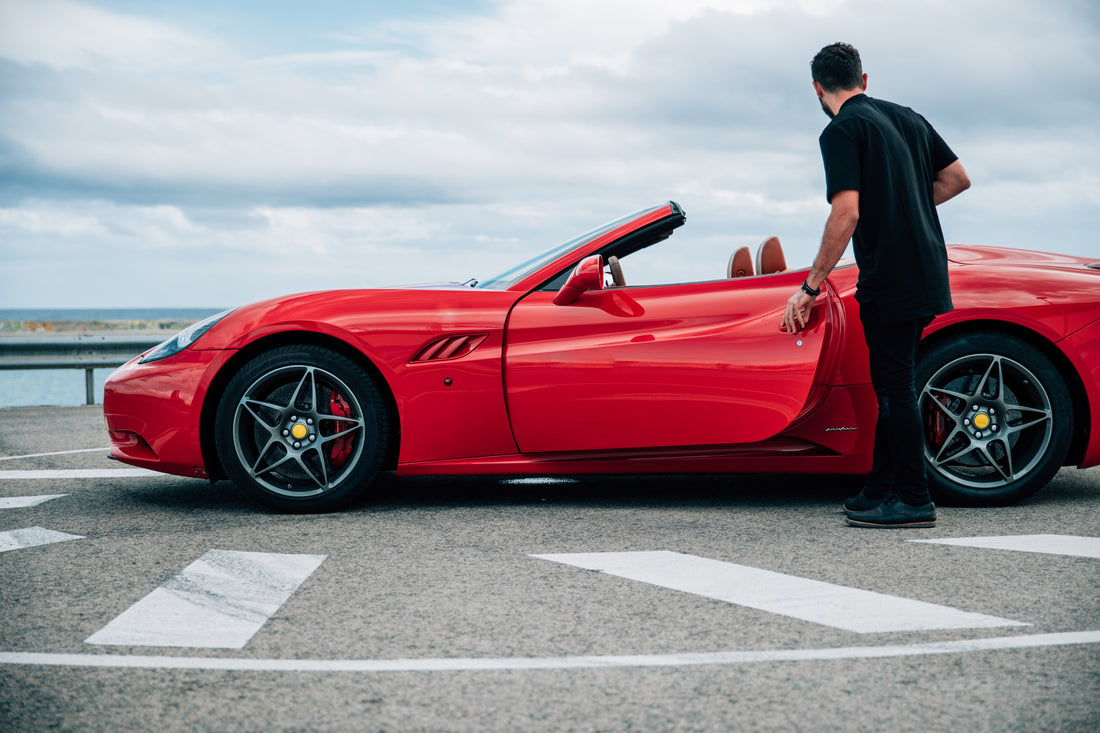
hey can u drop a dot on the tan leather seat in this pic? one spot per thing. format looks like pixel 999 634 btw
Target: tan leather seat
pixel 740 264
pixel 769 257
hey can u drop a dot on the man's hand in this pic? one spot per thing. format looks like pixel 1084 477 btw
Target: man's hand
pixel 797 312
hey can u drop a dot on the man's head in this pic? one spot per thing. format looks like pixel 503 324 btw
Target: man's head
pixel 837 68
pixel 837 74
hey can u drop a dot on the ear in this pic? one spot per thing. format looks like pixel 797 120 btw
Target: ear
pixel 865 82
pixel 820 90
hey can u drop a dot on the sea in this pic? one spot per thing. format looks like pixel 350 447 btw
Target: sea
pixel 65 387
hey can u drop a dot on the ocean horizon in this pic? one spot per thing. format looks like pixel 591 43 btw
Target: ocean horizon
pixel 106 314
pixel 65 387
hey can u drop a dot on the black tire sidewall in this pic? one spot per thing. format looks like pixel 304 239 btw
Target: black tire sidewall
pixel 985 342
pixel 375 417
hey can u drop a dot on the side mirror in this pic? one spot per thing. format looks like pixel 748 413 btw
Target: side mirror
pixel 587 275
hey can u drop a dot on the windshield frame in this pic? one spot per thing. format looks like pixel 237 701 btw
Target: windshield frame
pixel 510 278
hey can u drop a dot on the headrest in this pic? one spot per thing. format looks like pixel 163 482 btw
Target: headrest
pixel 769 257
pixel 740 264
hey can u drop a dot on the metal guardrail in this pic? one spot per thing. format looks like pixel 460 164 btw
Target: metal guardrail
pixel 101 351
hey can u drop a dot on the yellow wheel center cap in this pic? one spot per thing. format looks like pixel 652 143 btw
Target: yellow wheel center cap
pixel 299 431
pixel 981 421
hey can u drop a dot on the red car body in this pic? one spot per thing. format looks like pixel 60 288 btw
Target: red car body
pixel 677 378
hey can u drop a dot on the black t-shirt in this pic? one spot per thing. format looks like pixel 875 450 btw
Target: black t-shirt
pixel 891 155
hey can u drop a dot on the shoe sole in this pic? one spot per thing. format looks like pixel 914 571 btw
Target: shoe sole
pixel 924 524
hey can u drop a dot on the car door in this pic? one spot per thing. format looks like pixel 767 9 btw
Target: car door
pixel 701 364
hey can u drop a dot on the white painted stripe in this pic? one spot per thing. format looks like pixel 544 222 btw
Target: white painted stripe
pixel 55 453
pixel 841 607
pixel 20 502
pixel 1050 544
pixel 69 473
pixel 474 664
pixel 219 601
pixel 17 539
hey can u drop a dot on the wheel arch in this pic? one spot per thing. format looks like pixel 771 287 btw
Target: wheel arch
pixel 1077 391
pixel 273 341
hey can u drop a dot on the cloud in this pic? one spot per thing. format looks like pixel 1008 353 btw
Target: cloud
pixel 65 35
pixel 429 147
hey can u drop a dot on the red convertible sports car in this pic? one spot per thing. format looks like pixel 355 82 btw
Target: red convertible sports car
pixel 558 367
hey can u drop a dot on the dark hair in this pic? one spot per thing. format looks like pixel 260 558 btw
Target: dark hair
pixel 837 68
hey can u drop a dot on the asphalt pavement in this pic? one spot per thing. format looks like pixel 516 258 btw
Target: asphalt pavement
pixel 135 601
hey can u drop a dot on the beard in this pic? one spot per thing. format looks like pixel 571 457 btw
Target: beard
pixel 824 108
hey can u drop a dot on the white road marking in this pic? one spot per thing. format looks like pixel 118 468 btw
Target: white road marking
pixel 1050 544
pixel 69 473
pixel 841 607
pixel 56 453
pixel 219 601
pixel 17 539
pixel 474 664
pixel 20 502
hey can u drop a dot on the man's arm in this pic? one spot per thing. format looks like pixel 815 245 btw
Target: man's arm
pixel 839 228
pixel 949 183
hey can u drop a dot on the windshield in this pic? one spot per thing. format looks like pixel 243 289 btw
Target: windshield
pixel 511 277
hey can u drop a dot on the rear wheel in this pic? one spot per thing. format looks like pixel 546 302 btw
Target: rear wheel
pixel 302 429
pixel 997 419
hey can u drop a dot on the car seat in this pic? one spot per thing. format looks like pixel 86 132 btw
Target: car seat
pixel 769 257
pixel 740 264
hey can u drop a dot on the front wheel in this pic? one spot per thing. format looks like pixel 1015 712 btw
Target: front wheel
pixel 302 429
pixel 997 419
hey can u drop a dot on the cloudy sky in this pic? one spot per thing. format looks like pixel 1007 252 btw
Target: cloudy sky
pixel 209 153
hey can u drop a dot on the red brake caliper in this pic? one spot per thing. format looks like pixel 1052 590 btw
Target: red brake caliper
pixel 341 447
pixel 938 426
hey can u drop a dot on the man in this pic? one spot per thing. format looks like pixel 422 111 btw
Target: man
pixel 886 170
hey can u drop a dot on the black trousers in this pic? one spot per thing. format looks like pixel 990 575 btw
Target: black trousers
pixel 898 464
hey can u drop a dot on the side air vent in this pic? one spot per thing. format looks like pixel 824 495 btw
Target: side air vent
pixel 1093 265
pixel 449 347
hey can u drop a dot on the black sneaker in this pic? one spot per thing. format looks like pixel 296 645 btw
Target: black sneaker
pixel 893 512
pixel 861 502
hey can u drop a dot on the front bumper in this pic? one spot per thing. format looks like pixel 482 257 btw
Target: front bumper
pixel 153 411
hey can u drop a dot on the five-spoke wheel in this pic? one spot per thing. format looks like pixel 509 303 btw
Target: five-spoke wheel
pixel 302 428
pixel 997 419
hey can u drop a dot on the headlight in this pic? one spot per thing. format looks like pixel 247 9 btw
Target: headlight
pixel 183 339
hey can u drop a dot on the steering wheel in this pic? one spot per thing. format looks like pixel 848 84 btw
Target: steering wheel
pixel 616 272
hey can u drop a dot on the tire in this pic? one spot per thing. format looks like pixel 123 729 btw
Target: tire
pixel 997 419
pixel 302 429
